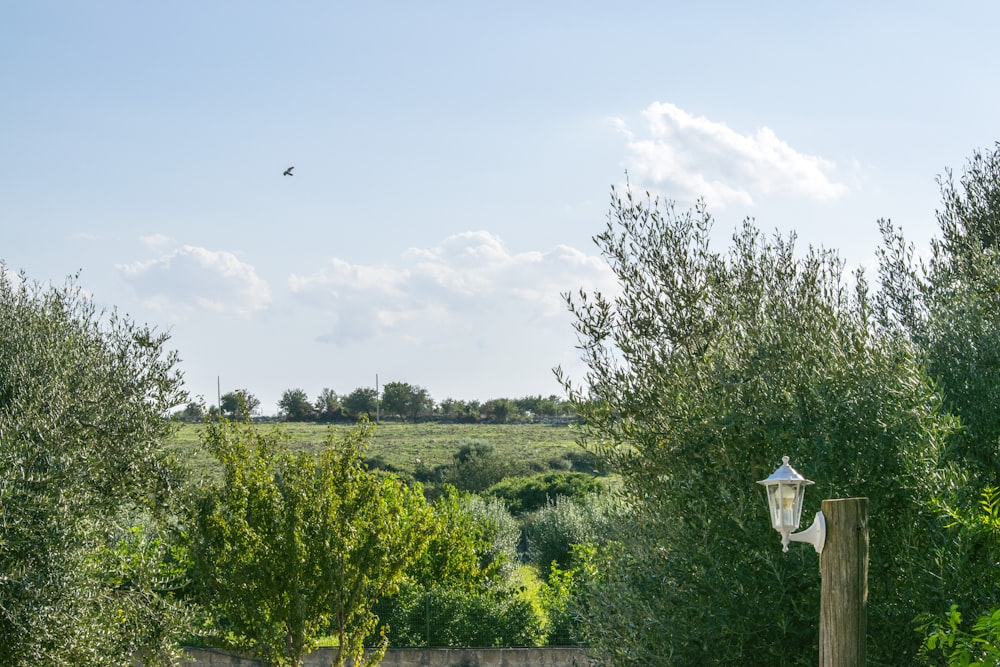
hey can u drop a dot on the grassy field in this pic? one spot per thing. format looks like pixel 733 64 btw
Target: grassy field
pixel 401 446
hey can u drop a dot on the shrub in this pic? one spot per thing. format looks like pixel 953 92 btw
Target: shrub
pixel 527 494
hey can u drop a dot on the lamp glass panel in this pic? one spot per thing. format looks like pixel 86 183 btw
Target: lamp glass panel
pixel 785 501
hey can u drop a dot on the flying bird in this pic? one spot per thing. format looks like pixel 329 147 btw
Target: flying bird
pixel 288 172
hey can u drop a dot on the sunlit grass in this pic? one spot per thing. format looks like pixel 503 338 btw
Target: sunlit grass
pixel 404 446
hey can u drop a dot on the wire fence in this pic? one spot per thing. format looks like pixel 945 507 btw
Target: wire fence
pixel 442 620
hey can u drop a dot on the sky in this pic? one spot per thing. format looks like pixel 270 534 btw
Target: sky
pixel 452 163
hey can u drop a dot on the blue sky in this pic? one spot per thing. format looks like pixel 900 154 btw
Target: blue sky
pixel 452 162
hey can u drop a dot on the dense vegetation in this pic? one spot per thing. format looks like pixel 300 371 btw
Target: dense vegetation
pixel 394 401
pixel 708 366
pixel 123 533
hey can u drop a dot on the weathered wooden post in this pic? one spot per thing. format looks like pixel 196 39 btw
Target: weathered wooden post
pixel 844 590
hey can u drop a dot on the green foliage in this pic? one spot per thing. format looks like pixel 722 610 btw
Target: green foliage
pixel 527 494
pixel 478 466
pixel 83 397
pixel 406 401
pixel 499 410
pixel 552 532
pixel 361 402
pixel 702 373
pixel 957 647
pixel 952 309
pixel 239 404
pixel 973 540
pixel 467 548
pixel 328 405
pixel 557 598
pixel 295 406
pixel 465 581
pixel 292 545
pixel 193 413
pixel 438 615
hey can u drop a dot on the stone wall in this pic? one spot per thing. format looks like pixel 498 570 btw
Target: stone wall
pixel 418 657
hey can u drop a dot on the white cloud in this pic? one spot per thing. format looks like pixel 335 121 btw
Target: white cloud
pixel 468 284
pixel 192 278
pixel 156 241
pixel 707 159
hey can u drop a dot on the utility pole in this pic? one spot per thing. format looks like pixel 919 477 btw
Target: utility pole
pixel 844 589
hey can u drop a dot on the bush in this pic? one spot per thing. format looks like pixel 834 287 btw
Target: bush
pixel 527 494
pixel 551 532
pixel 477 466
pixel 439 615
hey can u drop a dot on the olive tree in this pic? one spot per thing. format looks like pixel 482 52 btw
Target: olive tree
pixel 705 369
pixel 83 402
pixel 949 306
pixel 294 405
pixel 291 546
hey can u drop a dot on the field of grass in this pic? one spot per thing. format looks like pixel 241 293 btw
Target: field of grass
pixel 403 446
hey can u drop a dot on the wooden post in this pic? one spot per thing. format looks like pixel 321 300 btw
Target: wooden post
pixel 844 590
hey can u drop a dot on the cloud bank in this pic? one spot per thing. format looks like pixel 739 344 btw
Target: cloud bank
pixel 468 285
pixel 191 278
pixel 707 159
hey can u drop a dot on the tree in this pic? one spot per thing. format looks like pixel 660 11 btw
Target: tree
pixel 293 546
pixel 83 400
pixel 462 591
pixel 295 406
pixel 239 405
pixel 499 410
pixel 361 402
pixel 328 405
pixel 405 400
pixel 703 371
pixel 958 642
pixel 193 412
pixel 463 412
pixel 477 466
pixel 950 308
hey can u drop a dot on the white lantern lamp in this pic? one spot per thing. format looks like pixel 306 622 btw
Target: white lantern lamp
pixel 785 490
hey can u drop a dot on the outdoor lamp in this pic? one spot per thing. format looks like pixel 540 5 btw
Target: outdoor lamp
pixel 785 490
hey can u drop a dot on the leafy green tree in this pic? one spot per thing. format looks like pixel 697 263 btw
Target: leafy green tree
pixel 470 546
pixel 499 410
pixel 193 412
pixel 291 546
pixel 327 405
pixel 949 640
pixel 538 406
pixel 239 404
pixel 83 401
pixel 462 590
pixel 295 406
pixel 949 307
pixel 361 402
pixel 703 371
pixel 404 400
pixel 462 412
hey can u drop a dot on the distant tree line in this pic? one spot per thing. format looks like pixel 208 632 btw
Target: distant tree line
pixel 396 401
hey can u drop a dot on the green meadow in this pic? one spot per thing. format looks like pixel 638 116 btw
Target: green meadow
pixel 405 447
